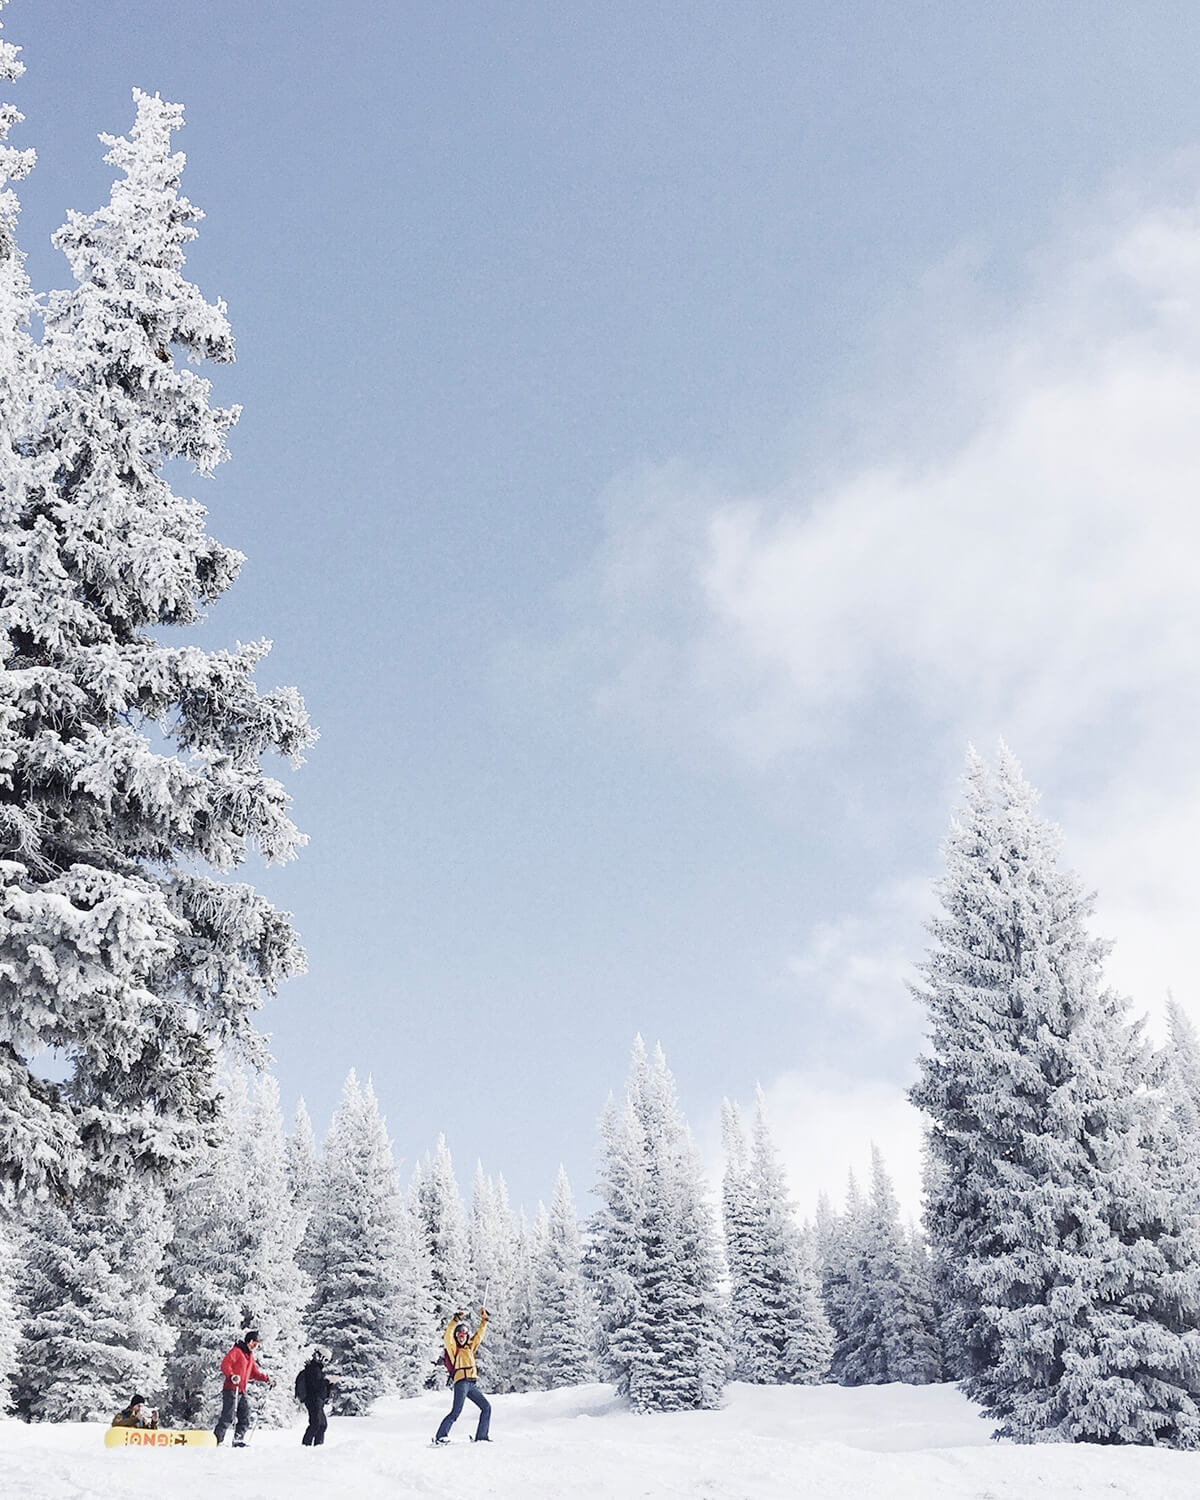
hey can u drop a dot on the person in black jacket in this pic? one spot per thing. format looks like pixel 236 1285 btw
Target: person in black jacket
pixel 313 1388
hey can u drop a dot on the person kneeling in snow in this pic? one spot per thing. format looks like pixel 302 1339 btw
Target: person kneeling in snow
pixel 461 1345
pixel 239 1369
pixel 136 1414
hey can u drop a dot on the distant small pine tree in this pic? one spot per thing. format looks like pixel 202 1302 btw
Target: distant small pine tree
pixel 205 1271
pixel 654 1256
pixel 437 1208
pixel 274 1291
pixel 357 1243
pixel 564 1318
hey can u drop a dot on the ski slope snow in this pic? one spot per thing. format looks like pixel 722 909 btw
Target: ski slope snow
pixel 823 1443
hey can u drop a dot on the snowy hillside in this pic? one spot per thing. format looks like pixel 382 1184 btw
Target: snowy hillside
pixel 825 1443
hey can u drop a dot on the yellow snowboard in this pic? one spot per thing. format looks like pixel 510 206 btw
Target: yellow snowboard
pixel 159 1437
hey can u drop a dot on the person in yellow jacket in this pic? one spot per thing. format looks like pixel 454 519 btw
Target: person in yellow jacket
pixel 461 1345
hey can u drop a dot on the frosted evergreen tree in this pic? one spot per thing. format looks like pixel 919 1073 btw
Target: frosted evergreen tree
pixel 739 1221
pixel 93 1297
pixel 1074 1284
pixel 438 1210
pixel 275 1292
pixel 206 1271
pixel 509 1329
pixel 521 1371
pixel 838 1238
pixel 786 1274
pixel 127 766
pixel 564 1317
pixel 1180 1070
pixel 10 1313
pixel 495 1264
pixel 779 1331
pixel 416 1328
pixel 36 1134
pixel 301 1156
pixel 887 1334
pixel 654 1257
pixel 357 1238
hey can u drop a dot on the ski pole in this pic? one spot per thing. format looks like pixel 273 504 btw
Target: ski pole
pixel 486 1284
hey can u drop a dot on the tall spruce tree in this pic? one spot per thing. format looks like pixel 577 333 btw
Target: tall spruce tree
pixel 654 1257
pixel 357 1242
pixel 127 766
pixel 564 1317
pixel 1074 1288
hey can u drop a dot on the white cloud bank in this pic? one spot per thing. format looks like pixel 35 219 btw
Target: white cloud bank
pixel 1035 574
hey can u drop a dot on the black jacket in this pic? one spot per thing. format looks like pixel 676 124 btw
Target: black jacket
pixel 312 1384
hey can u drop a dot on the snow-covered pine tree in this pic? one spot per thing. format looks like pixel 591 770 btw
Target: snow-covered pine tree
pixel 275 1292
pixel 564 1318
pixel 10 1314
pixel 654 1256
pixel 495 1266
pixel 35 1134
pixel 1074 1282
pixel 838 1238
pixel 786 1276
pixel 780 1334
pixel 509 1329
pixel 438 1210
pixel 613 1252
pixel 919 1358
pixel 887 1318
pixel 301 1157
pixel 739 1221
pixel 520 1370
pixel 127 765
pixel 356 1234
pixel 416 1328
pixel 93 1297
pixel 205 1271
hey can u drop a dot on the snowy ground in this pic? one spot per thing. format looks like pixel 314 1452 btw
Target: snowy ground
pixel 878 1443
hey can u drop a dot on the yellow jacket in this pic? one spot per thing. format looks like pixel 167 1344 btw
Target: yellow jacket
pixel 463 1355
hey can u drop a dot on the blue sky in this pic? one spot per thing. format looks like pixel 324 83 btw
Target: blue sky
pixel 671 433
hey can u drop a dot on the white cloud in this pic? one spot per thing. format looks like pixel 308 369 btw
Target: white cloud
pixel 1029 568
pixel 858 967
pixel 825 1124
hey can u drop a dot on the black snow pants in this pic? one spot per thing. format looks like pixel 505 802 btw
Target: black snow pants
pixel 314 1433
pixel 230 1399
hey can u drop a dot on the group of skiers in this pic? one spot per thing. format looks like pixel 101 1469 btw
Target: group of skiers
pixel 314 1386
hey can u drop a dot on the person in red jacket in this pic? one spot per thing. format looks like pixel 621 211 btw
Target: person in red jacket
pixel 239 1368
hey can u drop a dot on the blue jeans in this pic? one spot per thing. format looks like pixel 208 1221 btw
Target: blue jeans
pixel 468 1390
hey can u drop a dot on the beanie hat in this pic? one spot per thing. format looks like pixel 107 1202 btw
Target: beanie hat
pixel 250 1335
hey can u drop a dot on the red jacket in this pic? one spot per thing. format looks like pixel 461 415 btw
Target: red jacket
pixel 239 1368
